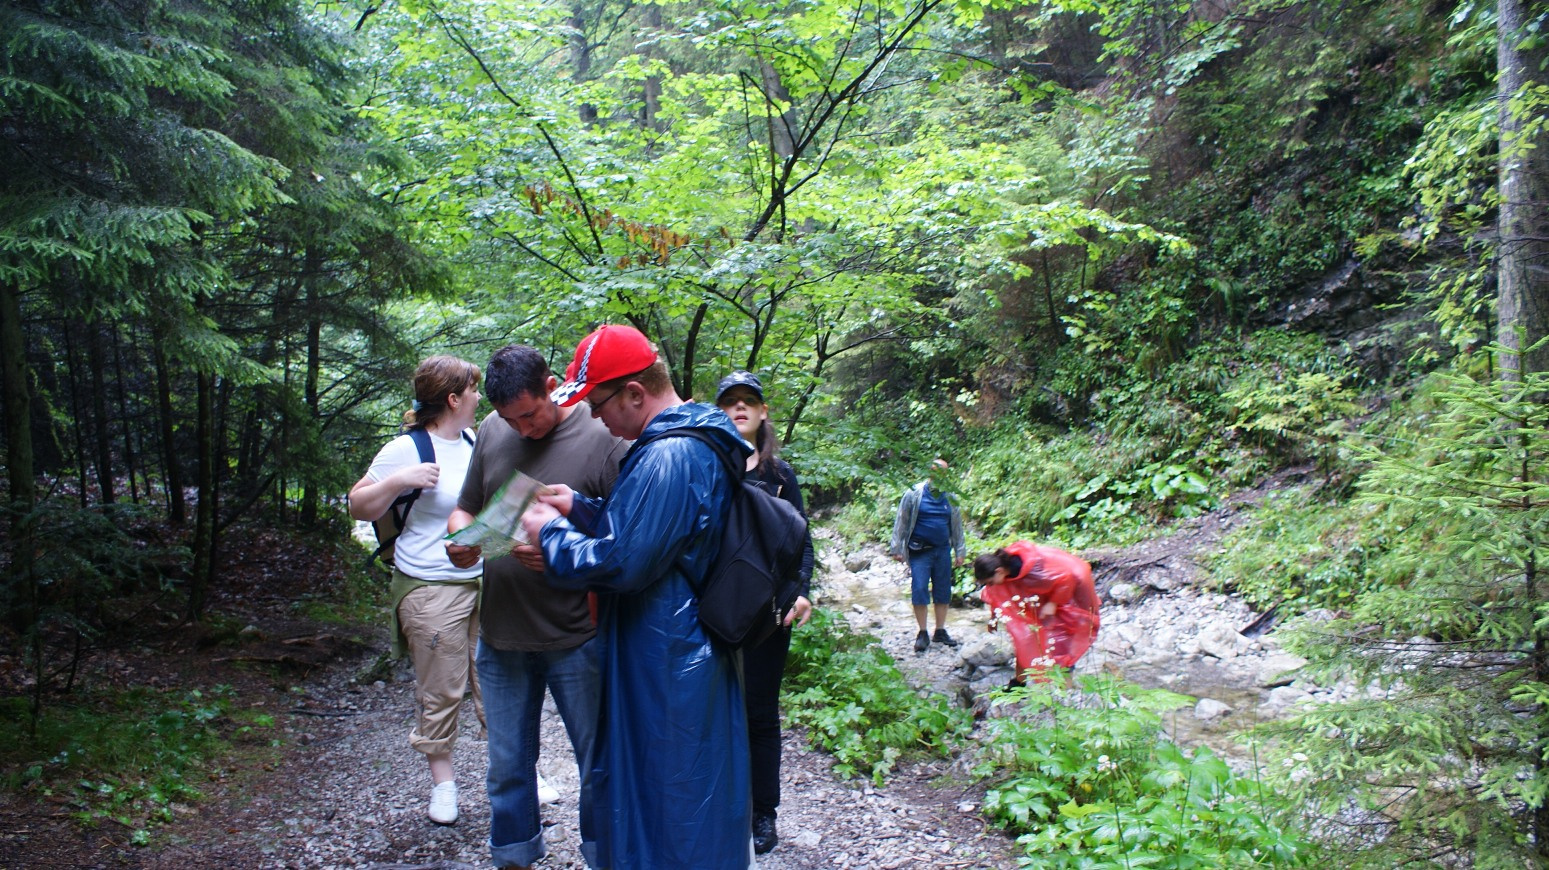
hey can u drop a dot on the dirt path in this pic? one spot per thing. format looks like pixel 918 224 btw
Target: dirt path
pixel 355 797
pixel 350 792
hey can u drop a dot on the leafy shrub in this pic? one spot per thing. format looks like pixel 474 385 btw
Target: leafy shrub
pixel 1095 785
pixel 1301 551
pixel 122 756
pixel 855 703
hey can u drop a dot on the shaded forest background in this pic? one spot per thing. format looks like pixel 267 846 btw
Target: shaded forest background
pixel 1115 259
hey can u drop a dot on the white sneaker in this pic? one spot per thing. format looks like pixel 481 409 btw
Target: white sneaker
pixel 547 794
pixel 443 803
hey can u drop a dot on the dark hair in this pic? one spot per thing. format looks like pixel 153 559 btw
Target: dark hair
pixel 516 370
pixel 985 564
pixel 434 380
pixel 766 445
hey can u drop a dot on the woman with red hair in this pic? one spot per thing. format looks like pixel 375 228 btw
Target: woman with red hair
pixel 1047 601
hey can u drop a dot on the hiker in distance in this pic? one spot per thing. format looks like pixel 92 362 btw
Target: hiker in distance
pixel 928 534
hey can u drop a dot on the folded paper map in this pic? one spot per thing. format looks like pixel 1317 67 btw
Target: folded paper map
pixel 498 527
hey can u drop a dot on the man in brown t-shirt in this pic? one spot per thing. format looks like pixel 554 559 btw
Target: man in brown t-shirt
pixel 532 636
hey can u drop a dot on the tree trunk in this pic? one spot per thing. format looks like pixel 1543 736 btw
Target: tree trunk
pixel 1522 308
pixel 204 509
pixel 101 423
pixel 781 142
pixel 177 514
pixel 652 87
pixel 130 454
pixel 581 59
pixel 1055 333
pixel 16 406
pixel 309 494
pixel 77 416
pixel 690 346
pixel 820 359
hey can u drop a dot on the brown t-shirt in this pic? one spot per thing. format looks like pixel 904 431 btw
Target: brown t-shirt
pixel 519 610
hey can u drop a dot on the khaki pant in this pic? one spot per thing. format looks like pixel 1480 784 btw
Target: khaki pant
pixel 441 624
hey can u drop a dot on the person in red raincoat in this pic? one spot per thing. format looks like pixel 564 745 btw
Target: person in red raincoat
pixel 1047 601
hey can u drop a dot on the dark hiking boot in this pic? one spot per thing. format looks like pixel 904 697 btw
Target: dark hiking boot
pixel 921 641
pixel 943 638
pixel 764 836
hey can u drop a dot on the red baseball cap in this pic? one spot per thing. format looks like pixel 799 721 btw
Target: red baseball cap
pixel 610 352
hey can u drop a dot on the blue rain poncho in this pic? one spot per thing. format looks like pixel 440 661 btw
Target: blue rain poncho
pixel 672 787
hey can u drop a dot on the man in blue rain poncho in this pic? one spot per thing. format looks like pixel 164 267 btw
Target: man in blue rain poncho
pixel 671 782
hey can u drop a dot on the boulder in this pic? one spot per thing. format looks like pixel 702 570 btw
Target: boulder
pixel 1124 593
pixel 1276 669
pixel 986 649
pixel 1282 699
pixel 1222 641
pixel 1160 578
pixel 1209 710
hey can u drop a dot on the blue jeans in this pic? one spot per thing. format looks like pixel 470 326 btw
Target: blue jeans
pixel 513 684
pixel 930 572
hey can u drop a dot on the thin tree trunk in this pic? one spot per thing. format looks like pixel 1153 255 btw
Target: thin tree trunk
pixel 102 425
pixel 309 494
pixel 177 514
pixel 581 59
pixel 77 416
pixel 16 407
pixel 1055 333
pixel 690 346
pixel 652 87
pixel 1522 308
pixel 820 359
pixel 204 509
pixel 130 454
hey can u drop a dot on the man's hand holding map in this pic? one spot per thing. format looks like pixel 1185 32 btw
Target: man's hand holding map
pixel 498 527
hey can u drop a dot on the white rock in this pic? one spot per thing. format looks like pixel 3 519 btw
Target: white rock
pixel 1124 593
pixel 1133 632
pixel 986 649
pixel 1209 710
pixel 1276 667
pixel 1282 699
pixel 1222 641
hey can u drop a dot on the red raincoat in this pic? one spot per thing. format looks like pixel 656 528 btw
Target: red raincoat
pixel 1048 574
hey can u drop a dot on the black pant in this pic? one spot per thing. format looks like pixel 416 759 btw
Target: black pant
pixel 762 668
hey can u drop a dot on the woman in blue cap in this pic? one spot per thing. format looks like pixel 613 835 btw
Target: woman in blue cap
pixel 741 396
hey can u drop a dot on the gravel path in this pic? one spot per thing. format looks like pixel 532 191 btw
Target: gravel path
pixel 355 793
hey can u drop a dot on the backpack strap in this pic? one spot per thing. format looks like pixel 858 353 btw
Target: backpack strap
pixel 736 474
pixel 427 451
pixel 403 503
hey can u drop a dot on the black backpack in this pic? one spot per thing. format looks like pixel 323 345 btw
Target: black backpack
pixel 754 579
pixel 390 525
